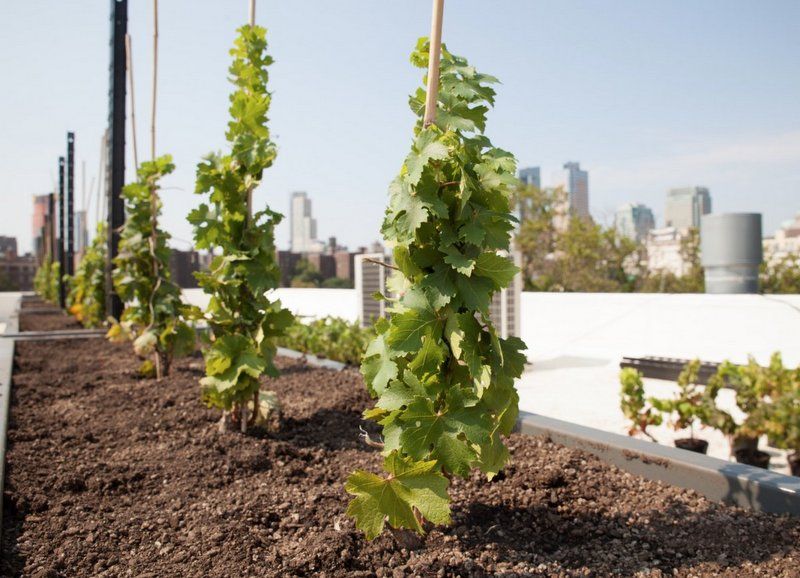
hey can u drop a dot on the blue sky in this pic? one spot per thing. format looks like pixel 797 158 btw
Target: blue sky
pixel 646 95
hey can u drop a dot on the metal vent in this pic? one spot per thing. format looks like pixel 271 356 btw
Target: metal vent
pixel 504 309
pixel 370 278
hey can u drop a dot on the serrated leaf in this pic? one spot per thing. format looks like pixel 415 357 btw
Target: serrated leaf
pixel 427 147
pixel 475 292
pixel 408 328
pixel 458 261
pixel 377 366
pixel 429 358
pixel 411 484
pixel 499 269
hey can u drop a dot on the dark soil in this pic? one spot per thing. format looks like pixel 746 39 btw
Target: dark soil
pixel 41 320
pixel 112 475
pixel 692 444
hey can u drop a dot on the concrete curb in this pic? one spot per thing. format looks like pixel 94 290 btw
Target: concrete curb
pixel 313 359
pixel 6 370
pixel 53 335
pixel 717 480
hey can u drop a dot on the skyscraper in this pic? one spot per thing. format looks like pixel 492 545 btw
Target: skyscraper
pixel 576 185
pixel 531 177
pixel 685 206
pixel 81 232
pixel 303 227
pixel 634 221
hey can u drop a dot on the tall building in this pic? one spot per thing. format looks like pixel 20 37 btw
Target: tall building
pixel 576 186
pixel 685 206
pixel 303 226
pixel 81 232
pixel 16 271
pixel 182 266
pixel 531 177
pixel 634 221
pixel 40 220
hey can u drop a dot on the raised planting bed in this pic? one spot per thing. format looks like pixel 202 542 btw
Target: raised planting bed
pixel 112 475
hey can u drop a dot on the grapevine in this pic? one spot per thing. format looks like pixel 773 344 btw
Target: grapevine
pixel 45 281
pixel 443 378
pixel 153 309
pixel 86 300
pixel 243 320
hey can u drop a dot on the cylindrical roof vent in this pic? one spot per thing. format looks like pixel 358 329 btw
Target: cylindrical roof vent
pixel 731 252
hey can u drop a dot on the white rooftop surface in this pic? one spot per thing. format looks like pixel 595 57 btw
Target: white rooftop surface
pixel 576 342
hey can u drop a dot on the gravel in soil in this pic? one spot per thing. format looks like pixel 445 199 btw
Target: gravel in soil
pixel 112 475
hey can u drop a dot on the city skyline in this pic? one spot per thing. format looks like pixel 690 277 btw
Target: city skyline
pixel 613 98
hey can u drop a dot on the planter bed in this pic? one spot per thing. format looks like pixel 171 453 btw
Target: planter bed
pixel 111 475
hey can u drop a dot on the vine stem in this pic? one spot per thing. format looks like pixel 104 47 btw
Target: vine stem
pixel 129 58
pixel 381 263
pixel 434 56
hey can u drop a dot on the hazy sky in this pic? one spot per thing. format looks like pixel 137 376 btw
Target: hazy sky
pixel 646 95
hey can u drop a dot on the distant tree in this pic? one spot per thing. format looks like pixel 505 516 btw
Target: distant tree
pixel 583 257
pixel 694 279
pixel 781 275
pixel 536 236
pixel 337 283
pixel 306 275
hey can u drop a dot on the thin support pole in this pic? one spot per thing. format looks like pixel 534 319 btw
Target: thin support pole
pixel 129 62
pixel 70 204
pixel 252 12
pixel 155 81
pixel 62 293
pixel 115 156
pixel 433 62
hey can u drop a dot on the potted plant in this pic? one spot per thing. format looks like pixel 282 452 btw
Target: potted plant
pixel 782 419
pixel 756 388
pixel 633 405
pixel 688 406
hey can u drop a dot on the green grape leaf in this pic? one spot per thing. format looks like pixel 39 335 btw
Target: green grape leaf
pixel 427 147
pixel 411 484
pixel 499 269
pixel 408 328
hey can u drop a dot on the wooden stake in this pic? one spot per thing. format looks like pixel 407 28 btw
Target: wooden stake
pixel 155 81
pixel 433 62
pixel 129 58
pixel 252 12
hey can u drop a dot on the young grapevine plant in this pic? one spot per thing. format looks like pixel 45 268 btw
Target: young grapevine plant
pixel 45 282
pixel 243 320
pixel 443 377
pixel 86 299
pixel 154 313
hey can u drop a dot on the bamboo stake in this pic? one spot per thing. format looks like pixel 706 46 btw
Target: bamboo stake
pixel 155 80
pixel 433 62
pixel 129 58
pixel 250 189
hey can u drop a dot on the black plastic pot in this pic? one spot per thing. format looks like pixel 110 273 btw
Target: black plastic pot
pixel 744 443
pixel 692 444
pixel 752 458
pixel 794 463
